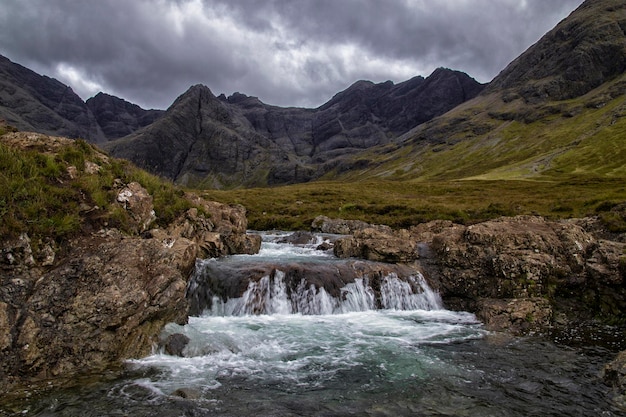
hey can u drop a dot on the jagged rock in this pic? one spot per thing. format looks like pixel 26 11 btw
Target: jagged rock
pixel 138 202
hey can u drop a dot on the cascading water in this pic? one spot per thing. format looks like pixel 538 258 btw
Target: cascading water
pixel 269 295
pixel 294 331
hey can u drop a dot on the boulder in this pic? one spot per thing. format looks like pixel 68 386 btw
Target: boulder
pixel 378 245
pixel 517 315
pixel 174 344
pixel 323 224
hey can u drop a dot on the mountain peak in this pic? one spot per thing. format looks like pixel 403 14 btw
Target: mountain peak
pixel 583 51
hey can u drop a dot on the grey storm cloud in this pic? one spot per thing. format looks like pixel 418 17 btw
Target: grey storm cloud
pixel 286 52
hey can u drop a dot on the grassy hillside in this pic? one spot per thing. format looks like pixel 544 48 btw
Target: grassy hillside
pixel 55 187
pixel 488 138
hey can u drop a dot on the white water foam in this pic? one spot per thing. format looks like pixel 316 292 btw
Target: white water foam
pixel 305 350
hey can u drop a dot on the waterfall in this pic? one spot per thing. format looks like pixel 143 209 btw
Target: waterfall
pixel 270 295
pixel 287 278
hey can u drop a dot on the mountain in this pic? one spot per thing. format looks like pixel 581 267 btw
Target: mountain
pixel 203 140
pixel 557 110
pixel 117 117
pixel 200 138
pixel 33 102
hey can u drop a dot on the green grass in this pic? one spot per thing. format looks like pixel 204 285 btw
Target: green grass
pixel 401 204
pixel 38 195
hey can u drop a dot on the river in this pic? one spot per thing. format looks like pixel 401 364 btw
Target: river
pixel 281 352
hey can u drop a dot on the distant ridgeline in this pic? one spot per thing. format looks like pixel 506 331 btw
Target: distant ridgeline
pixel 205 140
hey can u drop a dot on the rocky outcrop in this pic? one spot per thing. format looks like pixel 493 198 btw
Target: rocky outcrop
pixel 525 258
pixel 521 274
pixel 105 296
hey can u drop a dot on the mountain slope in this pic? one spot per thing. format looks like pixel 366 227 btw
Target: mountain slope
pixel 238 140
pixel 556 110
pixel 37 103
pixel 34 102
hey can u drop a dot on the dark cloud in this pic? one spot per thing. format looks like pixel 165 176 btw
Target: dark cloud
pixel 287 52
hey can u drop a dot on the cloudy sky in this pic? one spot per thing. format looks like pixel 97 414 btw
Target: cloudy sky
pixel 286 52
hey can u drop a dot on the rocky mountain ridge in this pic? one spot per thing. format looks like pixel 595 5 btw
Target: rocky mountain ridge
pixel 36 103
pixel 556 108
pixel 289 145
pixel 238 140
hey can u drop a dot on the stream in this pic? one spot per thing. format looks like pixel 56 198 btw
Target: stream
pixel 289 348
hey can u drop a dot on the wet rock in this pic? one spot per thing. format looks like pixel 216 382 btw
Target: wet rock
pixel 225 281
pixel 175 343
pixel 187 393
pixel 298 238
pixel 614 375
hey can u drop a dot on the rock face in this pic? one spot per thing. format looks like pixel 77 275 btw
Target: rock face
pixel 107 295
pixel 225 141
pixel 525 258
pixel 117 117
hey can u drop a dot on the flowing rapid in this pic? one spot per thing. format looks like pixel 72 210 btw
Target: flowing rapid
pixel 293 331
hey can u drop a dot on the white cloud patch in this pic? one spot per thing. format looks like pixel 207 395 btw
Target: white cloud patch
pixel 77 79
